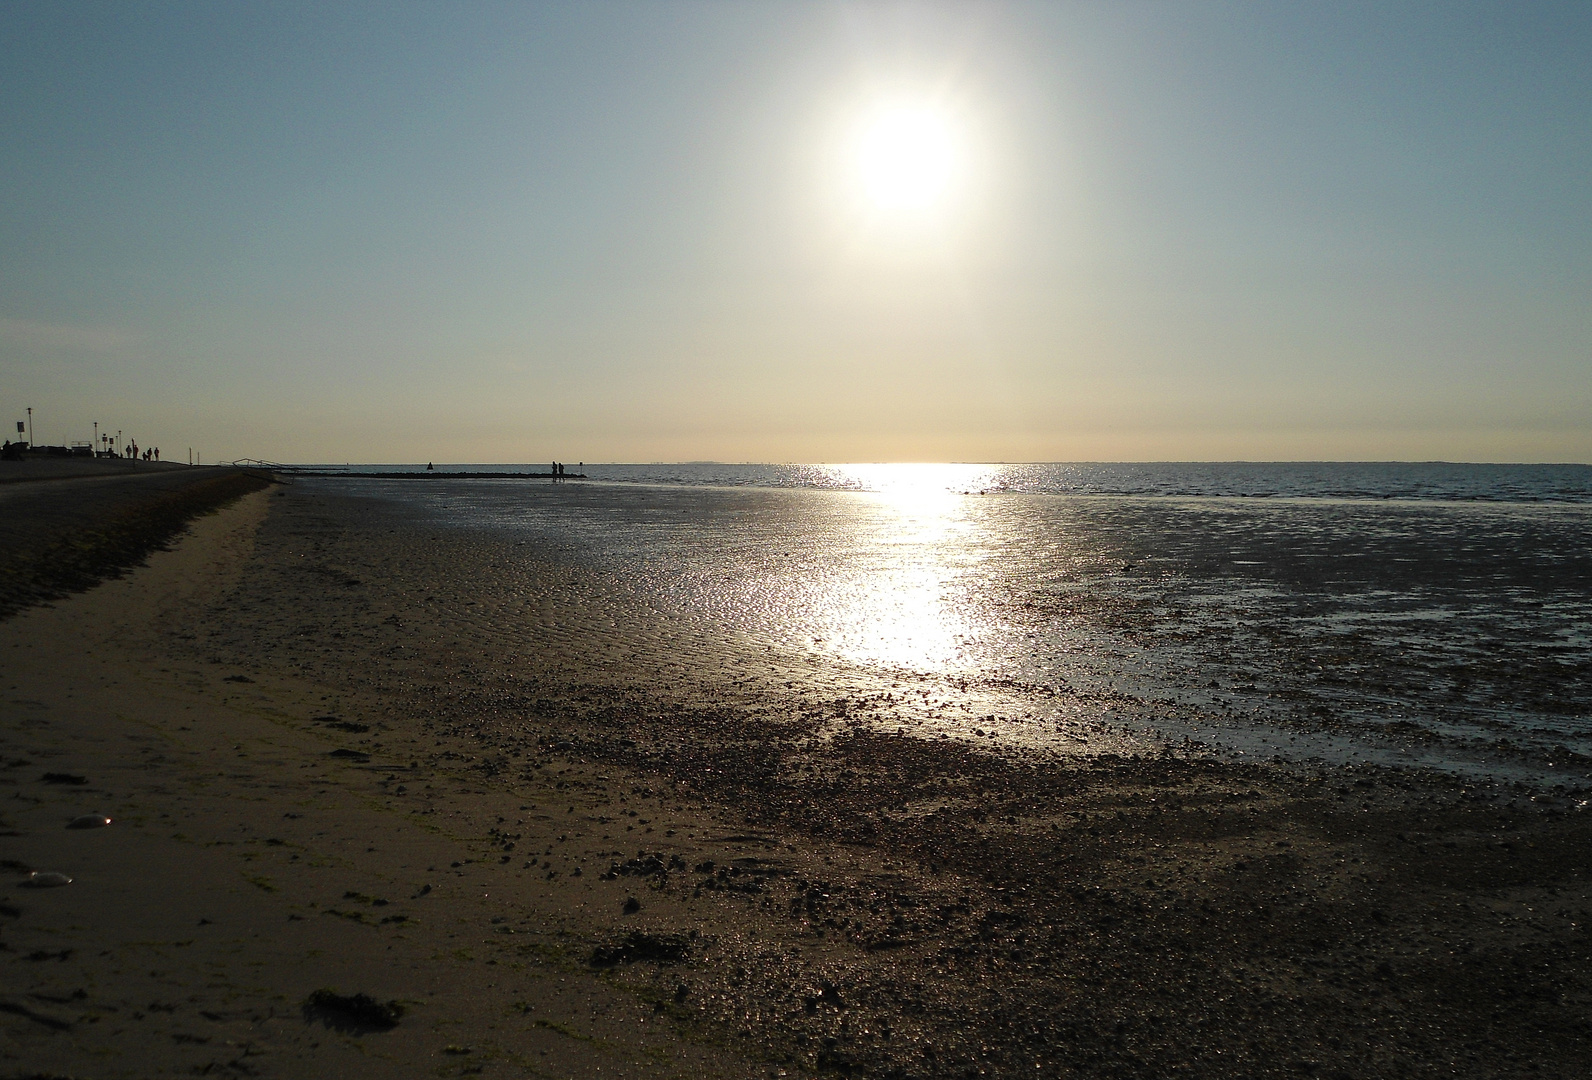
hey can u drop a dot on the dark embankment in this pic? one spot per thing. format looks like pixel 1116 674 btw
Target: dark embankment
pixel 66 532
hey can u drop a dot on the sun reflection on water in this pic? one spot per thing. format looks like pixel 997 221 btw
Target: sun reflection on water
pixel 909 482
pixel 914 539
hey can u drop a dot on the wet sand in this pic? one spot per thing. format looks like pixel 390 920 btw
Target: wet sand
pixel 573 836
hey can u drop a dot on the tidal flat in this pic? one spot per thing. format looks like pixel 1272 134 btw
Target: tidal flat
pixel 574 827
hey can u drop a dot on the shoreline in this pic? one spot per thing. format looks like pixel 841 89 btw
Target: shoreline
pixel 859 904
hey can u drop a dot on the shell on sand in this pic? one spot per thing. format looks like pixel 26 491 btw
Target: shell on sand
pixel 89 821
pixel 46 879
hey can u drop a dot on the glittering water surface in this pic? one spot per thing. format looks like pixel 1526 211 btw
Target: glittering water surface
pixel 1247 479
pixel 1446 626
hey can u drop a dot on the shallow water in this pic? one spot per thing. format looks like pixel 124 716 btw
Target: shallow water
pixel 1421 630
pixel 1443 480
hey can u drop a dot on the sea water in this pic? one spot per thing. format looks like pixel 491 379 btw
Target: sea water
pixel 1434 614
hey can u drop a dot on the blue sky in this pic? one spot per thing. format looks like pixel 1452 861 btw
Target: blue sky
pixel 502 232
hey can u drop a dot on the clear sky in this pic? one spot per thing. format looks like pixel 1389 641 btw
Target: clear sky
pixel 800 231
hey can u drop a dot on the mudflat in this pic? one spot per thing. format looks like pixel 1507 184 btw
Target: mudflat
pixel 331 767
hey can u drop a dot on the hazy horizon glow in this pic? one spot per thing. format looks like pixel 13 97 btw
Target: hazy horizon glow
pixel 804 232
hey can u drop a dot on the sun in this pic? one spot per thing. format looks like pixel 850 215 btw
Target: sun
pixel 905 157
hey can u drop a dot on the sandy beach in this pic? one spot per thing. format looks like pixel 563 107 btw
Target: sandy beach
pixel 332 763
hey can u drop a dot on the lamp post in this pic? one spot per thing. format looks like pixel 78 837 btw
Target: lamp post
pixel 30 427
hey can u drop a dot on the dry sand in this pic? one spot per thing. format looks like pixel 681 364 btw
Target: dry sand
pixel 326 769
pixel 246 867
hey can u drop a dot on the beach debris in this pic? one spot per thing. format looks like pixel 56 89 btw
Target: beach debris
pixel 89 821
pixel 644 865
pixel 345 752
pixel 638 945
pixel 45 879
pixel 237 678
pixel 630 906
pixel 373 901
pixel 353 726
pixel 356 1013
pixel 63 778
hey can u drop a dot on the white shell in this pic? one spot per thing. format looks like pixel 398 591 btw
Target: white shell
pixel 89 821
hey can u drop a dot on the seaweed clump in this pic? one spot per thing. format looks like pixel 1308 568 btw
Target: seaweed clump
pixel 352 1012
pixel 638 945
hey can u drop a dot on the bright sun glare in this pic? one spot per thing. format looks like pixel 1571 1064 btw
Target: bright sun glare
pixel 905 156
